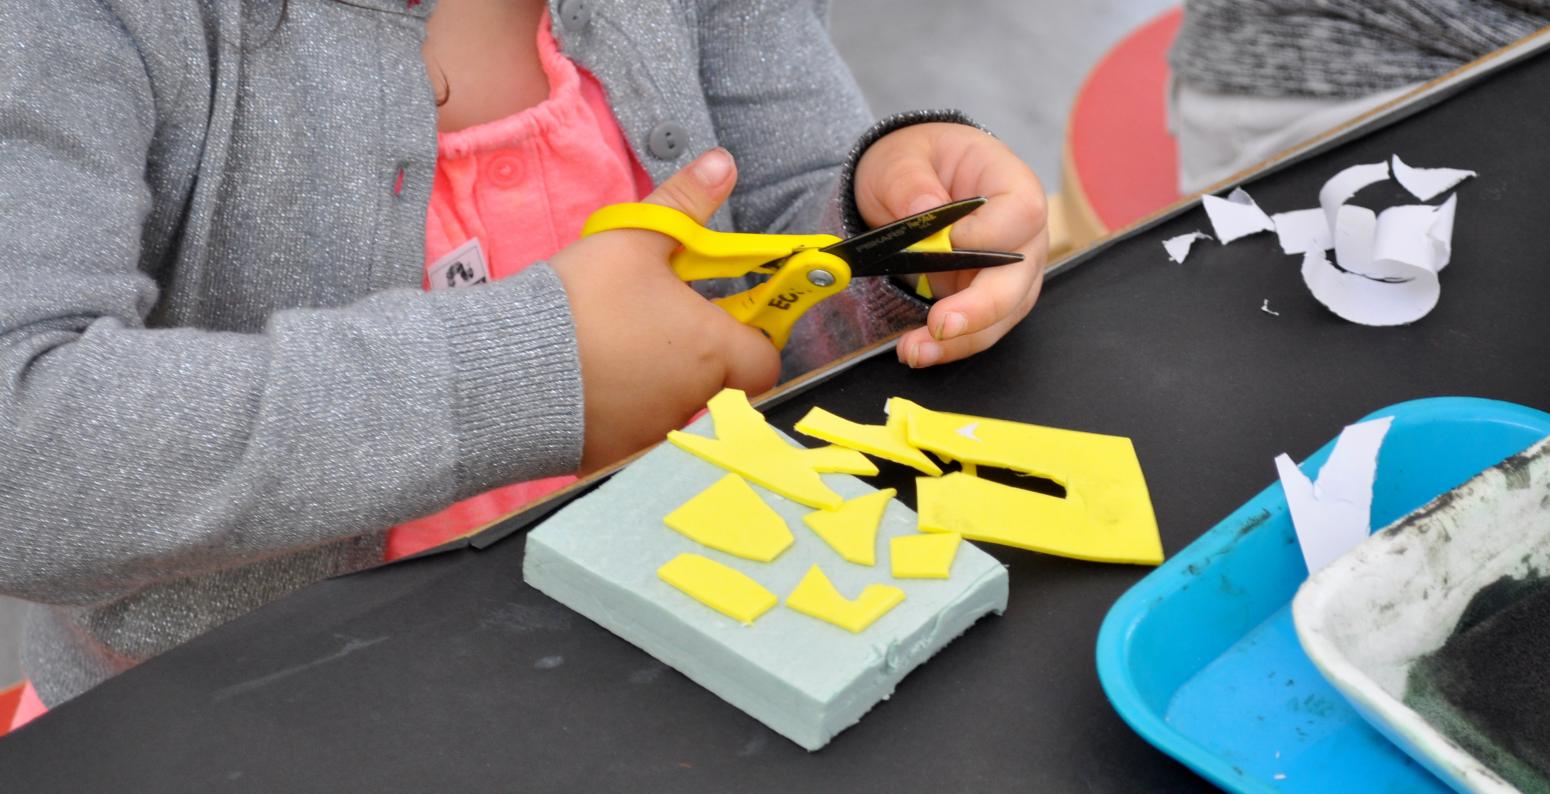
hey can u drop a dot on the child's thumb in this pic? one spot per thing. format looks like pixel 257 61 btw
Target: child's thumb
pixel 698 188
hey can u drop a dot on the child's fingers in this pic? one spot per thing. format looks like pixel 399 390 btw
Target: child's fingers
pixel 1008 222
pixel 994 293
pixel 697 190
pixel 919 349
pixel 699 187
pixel 752 363
pixel 901 185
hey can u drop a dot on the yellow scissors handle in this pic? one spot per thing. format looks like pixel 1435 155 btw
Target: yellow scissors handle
pixel 805 279
pixel 800 275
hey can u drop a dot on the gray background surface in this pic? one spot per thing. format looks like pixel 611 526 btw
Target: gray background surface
pixel 1013 66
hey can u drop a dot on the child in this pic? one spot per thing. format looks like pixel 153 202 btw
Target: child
pixel 223 379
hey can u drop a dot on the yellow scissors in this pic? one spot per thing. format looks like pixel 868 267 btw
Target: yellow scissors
pixel 802 269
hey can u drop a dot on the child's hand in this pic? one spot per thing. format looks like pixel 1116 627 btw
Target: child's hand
pixel 922 166
pixel 652 349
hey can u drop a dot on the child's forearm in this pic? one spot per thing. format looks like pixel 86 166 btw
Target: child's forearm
pixel 132 455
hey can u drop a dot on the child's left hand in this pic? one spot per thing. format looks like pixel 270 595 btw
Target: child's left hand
pixel 922 166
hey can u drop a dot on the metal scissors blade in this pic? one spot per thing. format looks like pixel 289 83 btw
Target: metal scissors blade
pixel 907 262
pixel 889 239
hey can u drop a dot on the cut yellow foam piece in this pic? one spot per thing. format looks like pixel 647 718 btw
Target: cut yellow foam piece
pixel 839 460
pixel 852 530
pixel 994 513
pixel 1105 516
pixel 746 445
pixel 924 556
pixel 729 516
pixel 728 591
pixel 815 596
pixel 887 441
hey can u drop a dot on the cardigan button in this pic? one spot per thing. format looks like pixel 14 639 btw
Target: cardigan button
pixel 667 141
pixel 575 14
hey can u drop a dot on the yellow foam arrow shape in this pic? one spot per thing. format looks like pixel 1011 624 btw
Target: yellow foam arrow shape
pixel 815 596
pixel 1105 516
pixel 747 445
pixel 729 516
pixel 852 529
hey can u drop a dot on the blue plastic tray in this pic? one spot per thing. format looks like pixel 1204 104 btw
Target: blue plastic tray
pixel 1201 658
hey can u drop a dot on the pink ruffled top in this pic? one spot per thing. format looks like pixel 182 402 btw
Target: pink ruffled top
pixel 523 185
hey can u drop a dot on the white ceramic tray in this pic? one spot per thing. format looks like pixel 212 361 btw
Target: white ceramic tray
pixel 1366 618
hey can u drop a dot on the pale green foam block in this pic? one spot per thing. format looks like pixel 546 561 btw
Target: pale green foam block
pixel 806 679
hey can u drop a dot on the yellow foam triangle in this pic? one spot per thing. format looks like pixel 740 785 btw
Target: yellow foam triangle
pixel 726 590
pixel 923 556
pixel 884 441
pixel 729 516
pixel 852 529
pixel 1106 514
pixel 816 597
pixel 746 445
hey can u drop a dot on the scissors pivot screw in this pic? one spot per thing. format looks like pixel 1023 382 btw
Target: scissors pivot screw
pixel 820 277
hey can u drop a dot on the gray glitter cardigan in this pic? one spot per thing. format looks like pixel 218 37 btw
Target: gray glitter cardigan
pixel 1340 48
pixel 219 380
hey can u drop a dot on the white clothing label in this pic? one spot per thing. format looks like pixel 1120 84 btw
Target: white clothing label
pixel 464 266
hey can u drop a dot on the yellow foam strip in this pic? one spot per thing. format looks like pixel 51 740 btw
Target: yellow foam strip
pixel 745 444
pixel 728 591
pixel 729 516
pixel 923 556
pixel 884 441
pixel 816 597
pixel 852 530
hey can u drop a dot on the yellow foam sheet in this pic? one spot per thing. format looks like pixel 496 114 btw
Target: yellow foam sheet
pixel 728 591
pixel 1105 516
pixel 816 597
pixel 852 529
pixel 924 556
pixel 729 516
pixel 746 445
pixel 887 441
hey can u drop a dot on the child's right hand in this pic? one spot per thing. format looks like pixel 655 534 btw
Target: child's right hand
pixel 652 349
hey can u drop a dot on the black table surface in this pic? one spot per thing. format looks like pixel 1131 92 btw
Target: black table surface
pixel 448 673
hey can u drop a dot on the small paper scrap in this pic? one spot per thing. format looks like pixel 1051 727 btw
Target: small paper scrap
pixel 1178 247
pixel 1265 307
pixel 1428 183
pixel 1236 216
pixel 1334 513
pixel 1301 231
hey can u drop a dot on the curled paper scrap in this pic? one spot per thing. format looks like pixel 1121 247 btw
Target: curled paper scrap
pixel 1333 513
pixel 1235 216
pixel 1342 186
pixel 1178 247
pixel 1388 263
pixel 1428 183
